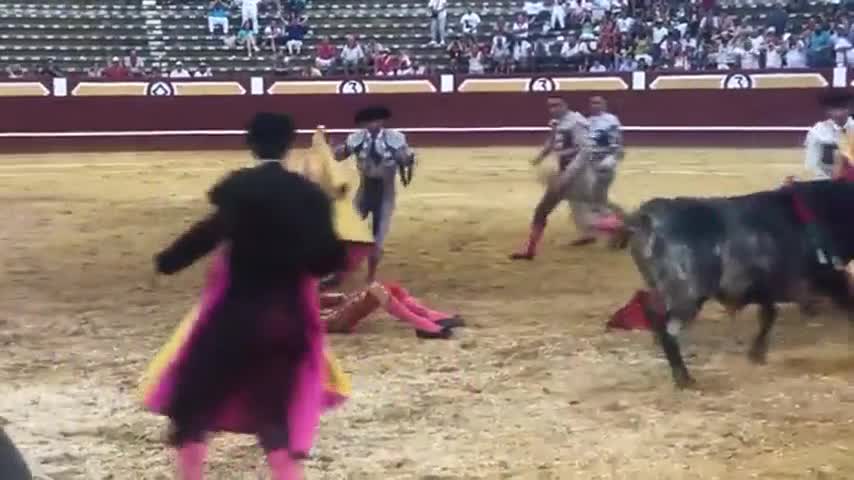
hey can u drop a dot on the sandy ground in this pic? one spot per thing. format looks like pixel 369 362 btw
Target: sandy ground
pixel 534 389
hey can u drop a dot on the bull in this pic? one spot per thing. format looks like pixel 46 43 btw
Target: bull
pixel 760 249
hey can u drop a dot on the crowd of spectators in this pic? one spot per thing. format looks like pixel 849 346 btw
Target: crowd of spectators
pixel 282 36
pixel 615 35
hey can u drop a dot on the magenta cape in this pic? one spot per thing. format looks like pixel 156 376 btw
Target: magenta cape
pixel 320 383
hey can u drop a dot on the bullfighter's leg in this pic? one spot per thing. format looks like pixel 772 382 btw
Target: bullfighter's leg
pixel 767 316
pixel 440 318
pixel 550 200
pixel 424 326
pixel 582 214
pixel 191 451
pixel 381 222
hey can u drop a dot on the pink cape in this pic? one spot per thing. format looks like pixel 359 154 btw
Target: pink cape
pixel 307 402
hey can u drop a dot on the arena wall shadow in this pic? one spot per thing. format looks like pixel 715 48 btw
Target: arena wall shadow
pixel 757 117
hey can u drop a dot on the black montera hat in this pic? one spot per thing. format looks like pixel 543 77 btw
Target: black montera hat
pixel 371 114
pixel 269 133
pixel 836 100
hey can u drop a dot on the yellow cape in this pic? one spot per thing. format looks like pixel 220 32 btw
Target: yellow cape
pixel 319 165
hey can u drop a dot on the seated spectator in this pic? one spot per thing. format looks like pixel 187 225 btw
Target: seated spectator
pixel 274 35
pixel 96 70
pixel 51 69
pixel 310 71
pixel 296 32
pixel 325 55
pixel 748 57
pixel 522 53
pixel 218 17
pixel 682 59
pixel 134 64
pixel 476 60
pixel 842 46
pixel 405 66
pixel 246 37
pixel 455 54
pixel 155 72
pixel 500 52
pixel 519 29
pixel 533 8
pixel 179 71
pixel 15 71
pixel 597 67
pixel 352 56
pixel 625 23
pixel 542 54
pixel 469 22
pixel 385 64
pixel 627 62
pixel 573 53
pixel 204 71
pixel 116 70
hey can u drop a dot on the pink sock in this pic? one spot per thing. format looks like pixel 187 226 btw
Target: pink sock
pixel 402 312
pixel 283 467
pixel 412 304
pixel 191 461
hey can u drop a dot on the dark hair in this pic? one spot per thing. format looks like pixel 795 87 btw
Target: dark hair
pixel 270 135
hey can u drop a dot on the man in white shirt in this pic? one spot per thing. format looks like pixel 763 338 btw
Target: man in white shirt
pixel 747 56
pixel 179 71
pixel 438 21
pixel 352 56
pixel 773 58
pixel 625 22
pixel 796 55
pixel 558 20
pixel 469 22
pixel 249 11
pixel 204 71
pixel 822 140
pixel 659 33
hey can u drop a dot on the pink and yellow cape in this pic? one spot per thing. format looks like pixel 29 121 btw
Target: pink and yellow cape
pixel 317 164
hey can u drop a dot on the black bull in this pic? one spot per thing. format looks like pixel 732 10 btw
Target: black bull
pixel 752 249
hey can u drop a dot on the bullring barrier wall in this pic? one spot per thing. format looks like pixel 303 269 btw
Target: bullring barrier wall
pixel 664 109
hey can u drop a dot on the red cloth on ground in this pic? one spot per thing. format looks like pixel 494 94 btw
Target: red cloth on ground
pixel 632 316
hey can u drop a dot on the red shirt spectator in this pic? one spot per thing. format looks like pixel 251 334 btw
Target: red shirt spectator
pixel 385 64
pixel 325 50
pixel 116 71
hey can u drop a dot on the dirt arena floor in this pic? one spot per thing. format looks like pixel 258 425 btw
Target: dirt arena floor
pixel 533 389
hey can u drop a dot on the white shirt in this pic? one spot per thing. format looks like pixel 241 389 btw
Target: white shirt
pixel 203 73
pixel 250 4
pixel 533 9
pixel 598 68
pixel 568 50
pixel 470 21
pixel 796 58
pixel 522 50
pixel 179 73
pixel 437 5
pixel 749 59
pixel 821 136
pixel 520 30
pixel 773 59
pixel 625 24
pixel 352 54
pixel 659 34
pixel 842 46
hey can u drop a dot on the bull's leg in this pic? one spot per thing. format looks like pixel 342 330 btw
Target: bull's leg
pixel 666 331
pixel 759 351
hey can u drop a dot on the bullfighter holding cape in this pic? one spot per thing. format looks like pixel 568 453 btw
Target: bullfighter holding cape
pixel 250 358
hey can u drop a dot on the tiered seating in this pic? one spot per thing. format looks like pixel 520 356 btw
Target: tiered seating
pixel 398 25
pixel 82 33
pixel 76 35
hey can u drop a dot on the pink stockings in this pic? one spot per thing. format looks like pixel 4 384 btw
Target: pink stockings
pixel 191 463
pixel 342 313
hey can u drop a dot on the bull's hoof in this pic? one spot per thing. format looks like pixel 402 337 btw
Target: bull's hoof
pixel 684 381
pixel 758 356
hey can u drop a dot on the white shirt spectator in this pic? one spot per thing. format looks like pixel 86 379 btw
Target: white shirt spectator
pixel 773 59
pixel 469 22
pixel 757 42
pixel 748 59
pixel 659 34
pixel 796 57
pixel 522 50
pixel 569 51
pixel 249 11
pixel 682 27
pixel 532 9
pixel 179 72
pixel 598 67
pixel 353 54
pixel 203 72
pixel 520 30
pixel 476 63
pixel 625 24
